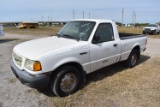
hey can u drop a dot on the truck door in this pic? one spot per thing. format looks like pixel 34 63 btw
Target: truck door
pixel 104 49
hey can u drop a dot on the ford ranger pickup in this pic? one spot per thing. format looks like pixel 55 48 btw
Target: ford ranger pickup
pixel 82 46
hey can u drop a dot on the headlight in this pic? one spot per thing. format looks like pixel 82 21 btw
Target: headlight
pixel 33 65
pixel 153 29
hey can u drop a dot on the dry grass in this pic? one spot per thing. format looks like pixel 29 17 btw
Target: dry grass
pixel 55 29
pixel 130 30
pixel 36 32
pixel 135 30
pixel 116 86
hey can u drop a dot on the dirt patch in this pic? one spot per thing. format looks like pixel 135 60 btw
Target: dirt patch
pixel 153 47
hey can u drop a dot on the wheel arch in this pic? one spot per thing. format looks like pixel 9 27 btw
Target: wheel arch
pixel 74 64
pixel 137 48
pixel 127 62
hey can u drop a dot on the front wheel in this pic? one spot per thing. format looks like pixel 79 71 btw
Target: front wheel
pixel 132 59
pixel 154 32
pixel 65 81
pixel 143 32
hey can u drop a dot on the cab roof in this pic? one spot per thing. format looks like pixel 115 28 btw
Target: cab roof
pixel 94 20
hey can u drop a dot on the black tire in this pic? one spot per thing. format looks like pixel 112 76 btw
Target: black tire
pixel 144 33
pixel 154 33
pixel 132 59
pixel 65 81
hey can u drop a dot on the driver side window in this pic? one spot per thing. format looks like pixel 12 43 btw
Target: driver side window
pixel 104 32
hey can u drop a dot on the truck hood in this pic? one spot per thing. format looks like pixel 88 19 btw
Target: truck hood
pixel 149 27
pixel 34 48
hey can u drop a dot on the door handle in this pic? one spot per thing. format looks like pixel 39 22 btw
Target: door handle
pixel 83 53
pixel 115 45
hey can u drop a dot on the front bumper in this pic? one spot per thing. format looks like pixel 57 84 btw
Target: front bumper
pixel 148 31
pixel 39 81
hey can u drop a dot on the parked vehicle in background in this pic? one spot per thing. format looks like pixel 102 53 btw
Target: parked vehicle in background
pixel 1 30
pixel 151 29
pixel 25 25
pixel 79 48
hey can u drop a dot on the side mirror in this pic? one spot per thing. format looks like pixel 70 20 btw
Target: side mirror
pixel 96 38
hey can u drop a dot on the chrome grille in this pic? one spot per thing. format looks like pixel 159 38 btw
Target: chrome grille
pixel 147 29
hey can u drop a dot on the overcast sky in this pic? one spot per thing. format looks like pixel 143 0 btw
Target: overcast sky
pixel 38 10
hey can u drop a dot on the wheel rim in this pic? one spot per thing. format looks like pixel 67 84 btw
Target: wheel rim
pixel 134 59
pixel 68 82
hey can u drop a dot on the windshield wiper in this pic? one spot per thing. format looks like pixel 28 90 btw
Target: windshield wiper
pixel 68 36
pixel 72 37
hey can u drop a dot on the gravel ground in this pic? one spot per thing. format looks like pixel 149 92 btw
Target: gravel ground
pixel 14 94
pixel 153 47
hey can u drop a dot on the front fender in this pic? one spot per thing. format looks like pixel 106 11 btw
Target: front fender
pixel 65 61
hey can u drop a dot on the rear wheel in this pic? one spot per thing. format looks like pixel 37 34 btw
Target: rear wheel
pixel 65 81
pixel 132 59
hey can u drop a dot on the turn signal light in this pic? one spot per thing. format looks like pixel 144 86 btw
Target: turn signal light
pixel 37 66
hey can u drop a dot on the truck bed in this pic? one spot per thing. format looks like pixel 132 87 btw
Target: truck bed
pixel 129 35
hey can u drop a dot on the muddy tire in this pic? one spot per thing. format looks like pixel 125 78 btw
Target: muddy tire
pixel 65 81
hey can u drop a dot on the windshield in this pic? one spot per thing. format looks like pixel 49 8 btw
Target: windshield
pixel 79 30
pixel 151 25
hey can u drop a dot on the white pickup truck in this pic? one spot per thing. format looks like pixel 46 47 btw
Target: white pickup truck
pixel 79 48
pixel 152 29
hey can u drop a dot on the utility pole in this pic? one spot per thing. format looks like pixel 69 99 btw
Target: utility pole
pixel 48 18
pixel 73 14
pixel 42 20
pixel 122 14
pixel 133 18
pixel 51 14
pixel 51 18
pixel 83 14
